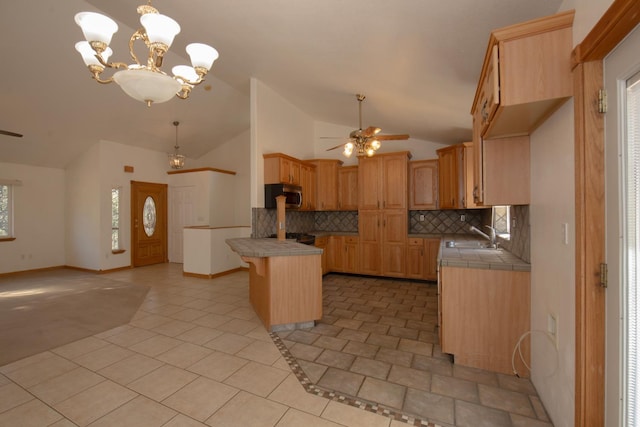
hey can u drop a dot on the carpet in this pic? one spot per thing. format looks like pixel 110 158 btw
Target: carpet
pixel 44 310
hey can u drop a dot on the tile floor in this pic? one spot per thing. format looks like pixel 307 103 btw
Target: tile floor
pixel 195 354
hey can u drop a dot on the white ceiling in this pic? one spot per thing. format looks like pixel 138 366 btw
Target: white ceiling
pixel 417 61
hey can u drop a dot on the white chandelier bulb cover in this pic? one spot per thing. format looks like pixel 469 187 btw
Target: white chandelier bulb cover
pixel 96 27
pixel 89 55
pixel 185 71
pixel 202 55
pixel 160 28
pixel 147 86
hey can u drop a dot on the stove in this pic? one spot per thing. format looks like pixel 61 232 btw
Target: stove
pixel 304 238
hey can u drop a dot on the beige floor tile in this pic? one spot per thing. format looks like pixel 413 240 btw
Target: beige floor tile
pixel 62 387
pixel 188 314
pixel 113 331
pixel 476 375
pixel 296 418
pixel 138 412
pixel 262 352
pixel 455 387
pixel 506 400
pixel 247 410
pixel 343 381
pixel 183 421
pixel 33 413
pixel 430 406
pixel 353 417
pixel 41 371
pixel 370 368
pixel 149 321
pixel 200 398
pixel 184 355
pixel 218 366
pixel 12 395
pixel 259 333
pixel 163 382
pixel 130 368
pixel 472 415
pixel 291 393
pixel 212 320
pixel 93 403
pixel 257 378
pixel 520 421
pixel 238 326
pixel 155 345
pixel 130 337
pixel 416 347
pixel 63 423
pixel 386 393
pixel 199 335
pixel 19 364
pixel 229 343
pixel 102 357
pixel 413 378
pixel 78 348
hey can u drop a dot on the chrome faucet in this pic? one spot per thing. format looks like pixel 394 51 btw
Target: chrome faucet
pixel 491 238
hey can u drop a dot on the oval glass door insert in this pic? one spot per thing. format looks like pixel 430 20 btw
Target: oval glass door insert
pixel 149 216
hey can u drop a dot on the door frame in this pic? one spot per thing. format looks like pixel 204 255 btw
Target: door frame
pixel 614 25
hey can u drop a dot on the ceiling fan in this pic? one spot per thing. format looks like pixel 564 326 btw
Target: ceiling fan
pixel 365 142
pixel 9 133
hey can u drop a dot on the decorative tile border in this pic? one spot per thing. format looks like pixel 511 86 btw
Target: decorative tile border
pixel 310 387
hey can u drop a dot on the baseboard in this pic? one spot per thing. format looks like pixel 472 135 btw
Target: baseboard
pixel 213 276
pixel 16 273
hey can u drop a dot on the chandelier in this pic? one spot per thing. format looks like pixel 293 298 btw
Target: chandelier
pixel 176 161
pixel 144 82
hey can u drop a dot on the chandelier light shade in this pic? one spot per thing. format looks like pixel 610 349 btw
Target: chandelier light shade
pixel 145 82
pixel 176 160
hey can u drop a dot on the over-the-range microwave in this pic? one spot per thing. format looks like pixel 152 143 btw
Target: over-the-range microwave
pixel 293 194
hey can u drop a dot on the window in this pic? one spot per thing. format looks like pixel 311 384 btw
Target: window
pixel 501 221
pixel 115 220
pixel 7 188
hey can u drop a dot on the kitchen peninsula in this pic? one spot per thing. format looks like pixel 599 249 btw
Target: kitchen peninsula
pixel 285 281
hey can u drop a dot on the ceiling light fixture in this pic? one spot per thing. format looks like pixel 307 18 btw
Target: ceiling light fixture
pixel 176 161
pixel 144 82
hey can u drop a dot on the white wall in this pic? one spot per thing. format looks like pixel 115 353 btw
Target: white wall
pixel 235 155
pixel 38 218
pixel 553 262
pixel 277 126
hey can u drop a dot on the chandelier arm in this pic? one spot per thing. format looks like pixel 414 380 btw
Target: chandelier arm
pixel 115 65
pixel 184 92
pixel 97 78
pixel 187 81
pixel 138 35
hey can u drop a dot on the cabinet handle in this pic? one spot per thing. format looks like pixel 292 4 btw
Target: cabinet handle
pixel 384 204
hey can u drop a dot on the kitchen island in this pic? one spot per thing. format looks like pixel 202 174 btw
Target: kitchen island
pixel 285 281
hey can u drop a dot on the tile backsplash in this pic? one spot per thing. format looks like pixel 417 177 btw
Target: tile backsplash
pixel 434 222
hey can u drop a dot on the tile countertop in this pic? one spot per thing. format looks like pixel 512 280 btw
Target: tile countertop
pixel 484 258
pixel 263 248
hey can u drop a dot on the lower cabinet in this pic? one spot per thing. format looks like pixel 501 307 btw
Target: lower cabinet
pixel 483 315
pixel 343 254
pixel 422 258
pixel 322 243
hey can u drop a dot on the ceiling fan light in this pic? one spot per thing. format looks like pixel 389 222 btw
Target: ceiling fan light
pixel 202 55
pixel 89 55
pixel 349 146
pixel 160 28
pixel 185 72
pixel 375 144
pixel 96 27
pixel 370 152
pixel 347 152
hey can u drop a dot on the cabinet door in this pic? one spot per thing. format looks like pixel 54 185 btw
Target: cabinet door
pixel 432 247
pixel 322 243
pixel 415 258
pixel 506 171
pixel 423 185
pixel 447 177
pixel 308 184
pixel 348 188
pixel 351 254
pixel 326 184
pixel 370 242
pixel 394 181
pixel 467 176
pixel 394 242
pixel 336 261
pixel 369 179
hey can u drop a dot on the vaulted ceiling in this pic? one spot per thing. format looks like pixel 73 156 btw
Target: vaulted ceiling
pixel 418 62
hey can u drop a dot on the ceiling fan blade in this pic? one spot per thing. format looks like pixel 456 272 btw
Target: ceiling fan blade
pixel 8 133
pixel 370 131
pixel 337 146
pixel 391 137
pixel 335 137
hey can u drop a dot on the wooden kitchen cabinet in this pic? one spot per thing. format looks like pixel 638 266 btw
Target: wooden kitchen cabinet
pixel 322 242
pixel 308 184
pixel 281 168
pixel 422 258
pixel 383 180
pixel 456 177
pixel 526 75
pixel 483 315
pixel 394 242
pixel 505 172
pixel 423 184
pixel 348 188
pixel 344 254
pixel 370 242
pixel 326 183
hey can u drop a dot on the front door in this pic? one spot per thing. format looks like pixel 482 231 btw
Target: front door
pixel 149 223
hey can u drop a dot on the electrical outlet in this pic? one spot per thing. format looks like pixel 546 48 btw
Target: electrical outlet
pixel 565 233
pixel 463 218
pixel 552 327
pixel 513 223
pixel 421 218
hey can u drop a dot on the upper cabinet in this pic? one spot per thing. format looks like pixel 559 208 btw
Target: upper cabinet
pixel 423 184
pixel 308 184
pixel 525 76
pixel 383 181
pixel 326 183
pixel 348 188
pixel 455 177
pixel 280 168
